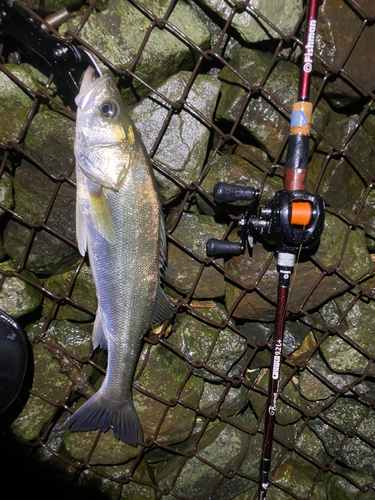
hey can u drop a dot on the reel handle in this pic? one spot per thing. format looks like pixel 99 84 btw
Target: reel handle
pixel 225 193
pixel 219 248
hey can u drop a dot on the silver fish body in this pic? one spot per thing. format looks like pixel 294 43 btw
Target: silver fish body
pixel 120 223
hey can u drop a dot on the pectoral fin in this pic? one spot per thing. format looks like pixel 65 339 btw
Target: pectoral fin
pixel 81 233
pixel 101 214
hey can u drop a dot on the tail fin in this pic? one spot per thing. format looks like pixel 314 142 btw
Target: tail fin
pixel 99 413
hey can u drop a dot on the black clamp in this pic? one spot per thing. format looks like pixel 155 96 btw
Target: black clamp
pixel 273 222
pixel 54 55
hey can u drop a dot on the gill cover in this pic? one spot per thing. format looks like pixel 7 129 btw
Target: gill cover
pixel 101 146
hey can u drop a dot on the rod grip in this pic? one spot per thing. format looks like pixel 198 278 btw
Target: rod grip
pixel 225 193
pixel 219 248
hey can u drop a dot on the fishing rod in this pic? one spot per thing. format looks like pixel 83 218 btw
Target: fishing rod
pixel 293 222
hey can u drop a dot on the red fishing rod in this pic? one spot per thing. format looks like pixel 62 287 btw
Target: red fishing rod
pixel 304 211
pixel 293 222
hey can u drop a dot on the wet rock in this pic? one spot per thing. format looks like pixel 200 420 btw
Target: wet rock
pixel 194 231
pixel 71 337
pixel 342 418
pixel 100 480
pixel 338 353
pixel 49 383
pixel 83 293
pixel 117 33
pixel 313 388
pixel 50 141
pixel 194 337
pixel 227 43
pixel 283 15
pixel 356 263
pixel 240 170
pixel 16 296
pixel 222 445
pixel 309 443
pixel 76 339
pixel 295 333
pixel 48 6
pixel 108 450
pixel 310 386
pixel 15 103
pixel 298 476
pixel 234 399
pixel 97 479
pixel 339 488
pixel 162 377
pixel 6 192
pixel 337 26
pixel 263 121
pixel 285 414
pixel 183 147
pixel 3 253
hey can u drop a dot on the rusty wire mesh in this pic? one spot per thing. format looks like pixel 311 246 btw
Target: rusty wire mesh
pixel 222 139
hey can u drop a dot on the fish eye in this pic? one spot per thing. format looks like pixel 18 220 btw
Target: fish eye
pixel 109 109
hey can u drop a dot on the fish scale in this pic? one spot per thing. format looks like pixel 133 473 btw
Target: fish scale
pixel 119 221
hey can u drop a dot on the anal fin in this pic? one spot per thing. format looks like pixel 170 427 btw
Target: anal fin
pixel 162 308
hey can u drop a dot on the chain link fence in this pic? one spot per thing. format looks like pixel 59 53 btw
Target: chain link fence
pixel 210 86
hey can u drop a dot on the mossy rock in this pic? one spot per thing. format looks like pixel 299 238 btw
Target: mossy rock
pixel 48 383
pixel 340 355
pixel 193 231
pixel 341 418
pixel 15 104
pixel 49 140
pixel 298 476
pixel 183 147
pixel 17 297
pixel 252 28
pixel 194 337
pixel 83 293
pixel 118 31
pixel 285 413
pixel 6 192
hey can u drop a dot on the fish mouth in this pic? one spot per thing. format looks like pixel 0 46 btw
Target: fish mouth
pixel 89 83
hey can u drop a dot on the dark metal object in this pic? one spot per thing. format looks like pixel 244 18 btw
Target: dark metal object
pixel 274 222
pixel 13 359
pixel 63 59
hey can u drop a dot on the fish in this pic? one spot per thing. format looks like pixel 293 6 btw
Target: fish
pixel 120 223
pixel 13 359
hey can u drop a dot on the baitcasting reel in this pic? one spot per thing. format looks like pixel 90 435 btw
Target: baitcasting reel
pixel 293 219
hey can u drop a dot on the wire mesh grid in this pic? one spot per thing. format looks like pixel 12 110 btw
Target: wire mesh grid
pixel 298 470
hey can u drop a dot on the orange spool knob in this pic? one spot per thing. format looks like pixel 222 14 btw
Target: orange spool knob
pixel 301 213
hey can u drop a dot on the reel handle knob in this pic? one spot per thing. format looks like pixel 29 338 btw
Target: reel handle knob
pixel 225 193
pixel 219 248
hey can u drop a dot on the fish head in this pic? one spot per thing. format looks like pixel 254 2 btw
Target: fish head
pixel 104 131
